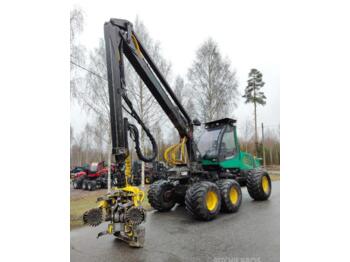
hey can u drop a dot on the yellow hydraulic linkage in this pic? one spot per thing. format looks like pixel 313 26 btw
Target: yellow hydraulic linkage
pixel 172 153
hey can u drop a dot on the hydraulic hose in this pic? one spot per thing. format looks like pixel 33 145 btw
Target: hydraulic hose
pixel 134 133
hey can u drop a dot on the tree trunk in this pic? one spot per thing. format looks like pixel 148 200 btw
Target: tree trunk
pixel 255 123
pixel 271 158
pixel 256 130
pixel 262 143
pixel 277 155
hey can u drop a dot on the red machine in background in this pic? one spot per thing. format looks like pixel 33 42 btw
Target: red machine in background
pixel 95 177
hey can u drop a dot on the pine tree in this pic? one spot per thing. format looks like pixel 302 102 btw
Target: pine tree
pixel 253 94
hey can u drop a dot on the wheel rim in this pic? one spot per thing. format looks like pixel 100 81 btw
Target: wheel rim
pixel 265 184
pixel 167 196
pixel 211 200
pixel 233 195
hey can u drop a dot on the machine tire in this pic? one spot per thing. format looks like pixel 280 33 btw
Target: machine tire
pixel 89 186
pixel 231 195
pixel 92 186
pixel 75 184
pixel 84 185
pixel 136 182
pixel 203 200
pixel 148 179
pixel 259 185
pixel 156 196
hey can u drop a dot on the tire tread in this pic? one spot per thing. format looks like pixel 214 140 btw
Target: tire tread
pixel 254 185
pixel 195 197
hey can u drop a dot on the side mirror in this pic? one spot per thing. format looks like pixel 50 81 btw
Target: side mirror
pixel 196 122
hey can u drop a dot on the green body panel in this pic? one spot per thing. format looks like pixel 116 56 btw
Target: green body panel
pixel 242 160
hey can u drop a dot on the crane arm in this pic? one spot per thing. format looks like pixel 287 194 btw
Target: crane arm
pixel 120 39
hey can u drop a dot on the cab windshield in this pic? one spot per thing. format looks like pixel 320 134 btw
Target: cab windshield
pixel 208 145
pixel 93 167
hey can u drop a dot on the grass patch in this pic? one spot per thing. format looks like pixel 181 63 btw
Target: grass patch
pixel 275 176
pixel 77 208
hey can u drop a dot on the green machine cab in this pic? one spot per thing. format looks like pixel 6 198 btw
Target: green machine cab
pixel 220 151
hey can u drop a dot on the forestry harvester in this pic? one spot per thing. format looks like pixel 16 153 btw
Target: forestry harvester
pixel 204 176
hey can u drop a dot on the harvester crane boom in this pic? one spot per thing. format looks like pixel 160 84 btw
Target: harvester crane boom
pixel 120 39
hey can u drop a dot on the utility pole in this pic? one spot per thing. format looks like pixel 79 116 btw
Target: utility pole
pixel 142 174
pixel 262 142
pixel 271 156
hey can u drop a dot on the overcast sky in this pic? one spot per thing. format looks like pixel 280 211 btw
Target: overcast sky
pixel 246 34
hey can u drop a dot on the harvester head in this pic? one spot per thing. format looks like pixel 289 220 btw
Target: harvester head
pixel 123 207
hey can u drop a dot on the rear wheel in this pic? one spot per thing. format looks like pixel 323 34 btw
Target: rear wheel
pixel 259 185
pixel 91 186
pixel 161 195
pixel 231 195
pixel 203 200
pixel 75 185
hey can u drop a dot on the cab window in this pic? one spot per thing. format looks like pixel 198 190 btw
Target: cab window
pixel 228 146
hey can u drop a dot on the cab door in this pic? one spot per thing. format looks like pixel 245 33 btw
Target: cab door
pixel 228 146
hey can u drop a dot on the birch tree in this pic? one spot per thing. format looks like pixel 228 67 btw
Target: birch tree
pixel 93 95
pixel 77 50
pixel 214 82
pixel 179 87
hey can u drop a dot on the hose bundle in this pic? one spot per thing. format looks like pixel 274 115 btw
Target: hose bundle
pixel 134 134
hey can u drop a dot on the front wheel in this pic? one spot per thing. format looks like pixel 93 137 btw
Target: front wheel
pixel 161 195
pixel 259 185
pixel 203 200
